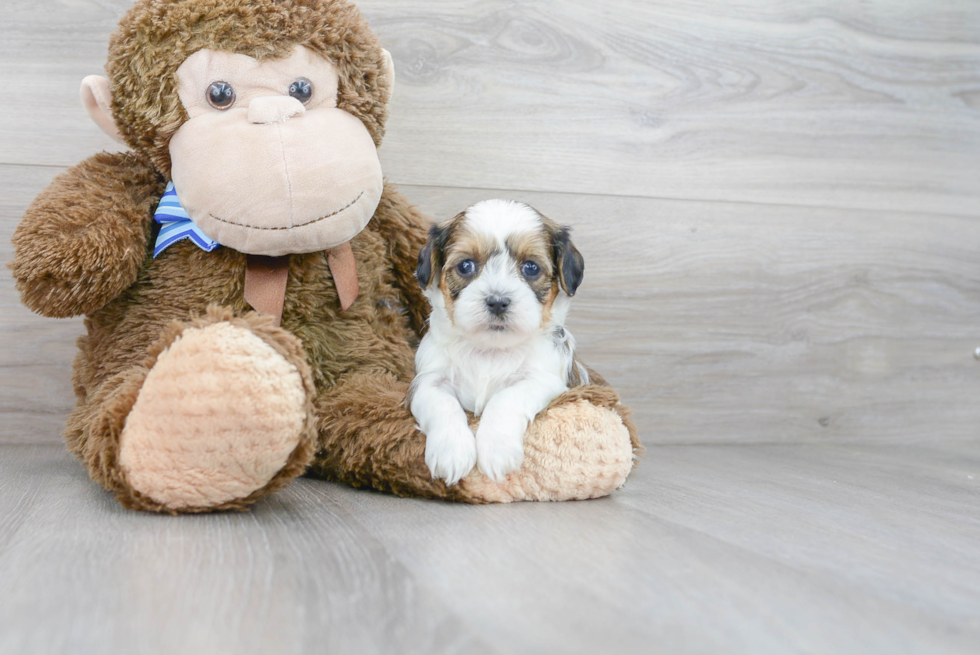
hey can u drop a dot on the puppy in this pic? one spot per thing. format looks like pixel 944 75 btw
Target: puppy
pixel 500 277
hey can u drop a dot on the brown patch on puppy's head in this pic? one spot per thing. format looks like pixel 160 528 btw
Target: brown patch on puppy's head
pixel 535 247
pixel 466 254
pixel 561 265
pixel 454 257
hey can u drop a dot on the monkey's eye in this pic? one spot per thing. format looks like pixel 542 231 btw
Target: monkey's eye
pixel 221 95
pixel 466 268
pixel 301 89
pixel 530 270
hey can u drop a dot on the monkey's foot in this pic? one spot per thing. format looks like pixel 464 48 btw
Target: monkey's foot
pixel 223 416
pixel 580 447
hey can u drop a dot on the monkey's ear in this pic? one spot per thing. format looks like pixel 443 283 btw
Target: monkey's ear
pixel 389 72
pixel 97 100
pixel 389 67
pixel 569 262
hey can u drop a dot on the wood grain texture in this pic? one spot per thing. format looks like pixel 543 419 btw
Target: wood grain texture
pixel 871 104
pixel 278 580
pixel 35 352
pixel 763 549
pixel 718 322
pixel 827 103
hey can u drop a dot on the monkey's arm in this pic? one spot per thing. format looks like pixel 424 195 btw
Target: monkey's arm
pixel 368 438
pixel 581 446
pixel 406 230
pixel 83 239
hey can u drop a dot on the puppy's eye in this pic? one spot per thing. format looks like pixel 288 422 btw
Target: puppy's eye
pixel 530 270
pixel 301 89
pixel 221 95
pixel 466 268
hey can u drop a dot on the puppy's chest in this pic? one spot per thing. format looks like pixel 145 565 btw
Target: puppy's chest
pixel 478 375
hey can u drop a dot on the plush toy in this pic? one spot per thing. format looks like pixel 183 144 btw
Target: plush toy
pixel 248 279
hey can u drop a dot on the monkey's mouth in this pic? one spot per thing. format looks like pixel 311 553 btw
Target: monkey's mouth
pixel 291 227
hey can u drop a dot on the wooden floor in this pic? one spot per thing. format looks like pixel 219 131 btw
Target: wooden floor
pixel 779 207
pixel 727 549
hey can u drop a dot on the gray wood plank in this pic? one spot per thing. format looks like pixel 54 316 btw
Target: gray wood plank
pixel 762 572
pixel 824 103
pixel 870 104
pixel 81 574
pixel 735 549
pixel 36 352
pixel 718 322
pixel 836 511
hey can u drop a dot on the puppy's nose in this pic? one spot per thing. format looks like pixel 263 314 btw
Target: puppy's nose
pixel 497 305
pixel 274 109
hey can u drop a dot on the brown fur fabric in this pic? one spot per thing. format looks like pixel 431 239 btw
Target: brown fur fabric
pixel 369 439
pixel 90 236
pixel 85 247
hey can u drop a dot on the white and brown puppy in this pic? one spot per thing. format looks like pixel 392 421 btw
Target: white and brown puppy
pixel 500 277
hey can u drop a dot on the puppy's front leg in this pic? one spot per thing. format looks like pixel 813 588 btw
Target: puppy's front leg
pixel 500 436
pixel 450 448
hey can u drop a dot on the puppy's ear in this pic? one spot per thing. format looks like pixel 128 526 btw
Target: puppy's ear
pixel 424 270
pixel 431 255
pixel 568 261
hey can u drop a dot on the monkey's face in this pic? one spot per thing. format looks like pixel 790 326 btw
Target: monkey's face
pixel 266 163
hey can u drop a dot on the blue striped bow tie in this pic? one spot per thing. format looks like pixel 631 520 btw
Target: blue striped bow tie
pixel 176 225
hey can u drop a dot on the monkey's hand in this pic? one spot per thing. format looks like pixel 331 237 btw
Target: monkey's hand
pixel 83 239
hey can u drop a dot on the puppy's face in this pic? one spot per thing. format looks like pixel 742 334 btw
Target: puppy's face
pixel 500 272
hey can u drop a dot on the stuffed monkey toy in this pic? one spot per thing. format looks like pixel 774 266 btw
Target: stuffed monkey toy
pixel 247 277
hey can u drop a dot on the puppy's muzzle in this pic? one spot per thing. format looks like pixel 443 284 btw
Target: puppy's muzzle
pixel 497 305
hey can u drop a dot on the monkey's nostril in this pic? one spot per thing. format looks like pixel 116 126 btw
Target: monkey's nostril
pixel 498 306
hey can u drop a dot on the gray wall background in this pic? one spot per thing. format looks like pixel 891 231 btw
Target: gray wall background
pixel 777 201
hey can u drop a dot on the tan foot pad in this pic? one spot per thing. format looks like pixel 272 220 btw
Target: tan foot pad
pixel 573 451
pixel 218 416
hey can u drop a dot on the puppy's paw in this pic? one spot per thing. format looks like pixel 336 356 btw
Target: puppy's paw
pixel 450 453
pixel 500 444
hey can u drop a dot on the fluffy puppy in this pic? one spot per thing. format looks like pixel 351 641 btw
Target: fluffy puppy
pixel 500 277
